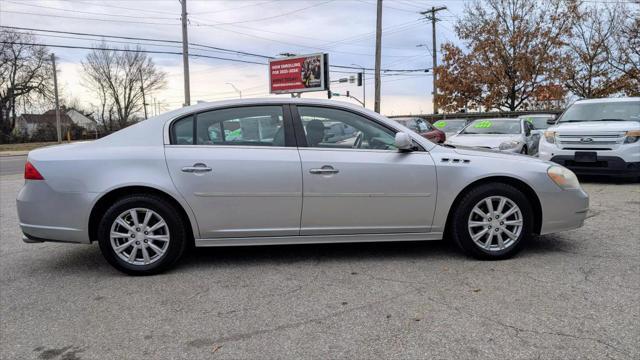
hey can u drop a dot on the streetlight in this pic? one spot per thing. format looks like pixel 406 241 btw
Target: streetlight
pixel 236 89
pixel 364 91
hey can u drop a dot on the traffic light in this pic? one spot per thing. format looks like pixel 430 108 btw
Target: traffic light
pixel 359 79
pixel 328 94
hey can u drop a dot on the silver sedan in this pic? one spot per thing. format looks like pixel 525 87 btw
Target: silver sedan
pixel 271 171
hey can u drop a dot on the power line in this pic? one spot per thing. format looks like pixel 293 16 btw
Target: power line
pixel 234 9
pixel 121 7
pixel 89 12
pixel 137 38
pixel 274 16
pixel 86 18
pixel 180 53
pixel 194 55
pixel 132 50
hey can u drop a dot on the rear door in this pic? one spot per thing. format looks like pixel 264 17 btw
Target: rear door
pixel 360 184
pixel 239 170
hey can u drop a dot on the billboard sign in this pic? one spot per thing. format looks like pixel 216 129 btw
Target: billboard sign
pixel 299 74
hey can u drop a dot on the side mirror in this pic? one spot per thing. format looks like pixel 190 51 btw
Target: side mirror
pixel 403 141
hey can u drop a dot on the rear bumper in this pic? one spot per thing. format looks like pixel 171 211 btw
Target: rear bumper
pixel 49 215
pixel 605 165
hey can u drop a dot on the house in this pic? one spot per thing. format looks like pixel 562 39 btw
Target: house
pixel 81 120
pixel 27 124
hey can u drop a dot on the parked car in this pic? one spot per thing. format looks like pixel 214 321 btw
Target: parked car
pixel 540 122
pixel 596 137
pixel 424 128
pixel 510 135
pixel 147 192
pixel 450 126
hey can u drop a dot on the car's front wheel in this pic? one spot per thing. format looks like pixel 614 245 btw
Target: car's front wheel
pixel 492 221
pixel 142 235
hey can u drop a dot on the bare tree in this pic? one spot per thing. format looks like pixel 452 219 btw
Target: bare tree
pixel 589 72
pixel 625 54
pixel 25 75
pixel 117 78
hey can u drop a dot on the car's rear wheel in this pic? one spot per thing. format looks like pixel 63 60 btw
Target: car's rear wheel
pixel 492 221
pixel 142 235
pixel 524 150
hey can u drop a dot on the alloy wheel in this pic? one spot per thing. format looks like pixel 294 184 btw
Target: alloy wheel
pixel 139 236
pixel 495 223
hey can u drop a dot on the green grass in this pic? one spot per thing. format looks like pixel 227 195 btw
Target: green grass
pixel 26 146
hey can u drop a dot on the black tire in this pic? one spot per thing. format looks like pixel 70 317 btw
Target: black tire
pixel 175 224
pixel 460 216
pixel 524 150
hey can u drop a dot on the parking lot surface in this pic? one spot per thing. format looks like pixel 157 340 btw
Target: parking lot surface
pixel 569 295
pixel 12 165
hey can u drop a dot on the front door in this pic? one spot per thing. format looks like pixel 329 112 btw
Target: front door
pixel 239 171
pixel 357 182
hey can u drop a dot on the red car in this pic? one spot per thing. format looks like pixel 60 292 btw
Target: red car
pixel 422 127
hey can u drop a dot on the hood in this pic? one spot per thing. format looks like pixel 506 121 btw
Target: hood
pixel 579 128
pixel 482 140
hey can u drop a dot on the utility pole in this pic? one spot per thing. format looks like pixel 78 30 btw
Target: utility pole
pixel 185 54
pixel 55 93
pixel 144 100
pixel 431 15
pixel 376 104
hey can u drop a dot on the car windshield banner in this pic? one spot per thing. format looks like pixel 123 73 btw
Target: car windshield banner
pixel 298 74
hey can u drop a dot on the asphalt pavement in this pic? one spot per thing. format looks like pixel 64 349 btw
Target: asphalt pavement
pixel 11 165
pixel 572 295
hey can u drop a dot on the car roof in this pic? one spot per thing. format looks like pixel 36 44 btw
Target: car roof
pixel 608 100
pixel 535 115
pixel 405 118
pixel 499 119
pixel 204 106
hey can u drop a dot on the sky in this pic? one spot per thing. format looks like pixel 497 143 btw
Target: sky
pixel 345 29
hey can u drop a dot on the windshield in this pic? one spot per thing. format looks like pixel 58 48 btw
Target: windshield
pixel 417 125
pixel 450 125
pixel 493 127
pixel 538 122
pixel 612 111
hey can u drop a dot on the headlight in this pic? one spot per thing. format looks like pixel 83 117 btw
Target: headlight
pixel 631 136
pixel 563 177
pixel 509 145
pixel 550 136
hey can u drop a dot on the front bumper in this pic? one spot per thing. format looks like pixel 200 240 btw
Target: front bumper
pixel 563 210
pixel 605 165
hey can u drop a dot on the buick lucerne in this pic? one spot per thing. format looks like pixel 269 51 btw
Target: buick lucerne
pixel 272 171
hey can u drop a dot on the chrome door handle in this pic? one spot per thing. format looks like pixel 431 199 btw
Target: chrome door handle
pixel 196 168
pixel 325 170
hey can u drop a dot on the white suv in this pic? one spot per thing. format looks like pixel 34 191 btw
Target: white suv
pixel 596 137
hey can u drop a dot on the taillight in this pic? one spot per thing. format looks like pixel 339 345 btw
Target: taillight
pixel 31 173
